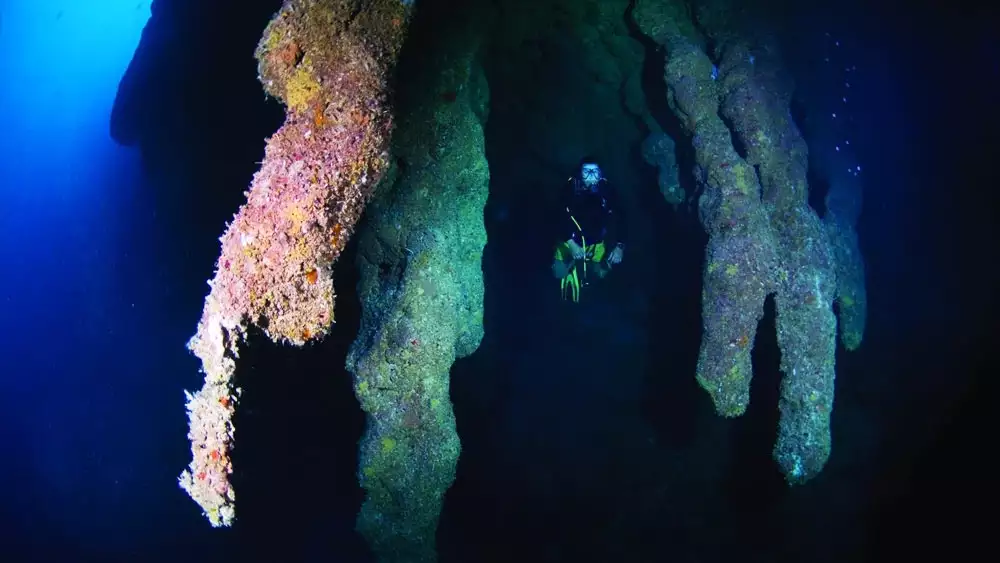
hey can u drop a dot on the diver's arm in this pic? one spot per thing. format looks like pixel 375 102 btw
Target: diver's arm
pixel 613 219
pixel 571 231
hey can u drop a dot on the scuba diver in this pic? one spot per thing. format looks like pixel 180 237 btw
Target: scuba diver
pixel 593 225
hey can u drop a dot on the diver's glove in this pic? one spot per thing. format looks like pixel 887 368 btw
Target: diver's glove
pixel 617 254
pixel 578 252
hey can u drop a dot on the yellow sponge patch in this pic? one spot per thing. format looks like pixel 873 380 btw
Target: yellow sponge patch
pixel 301 88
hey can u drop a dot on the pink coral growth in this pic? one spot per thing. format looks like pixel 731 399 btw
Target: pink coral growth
pixel 319 170
pixel 211 431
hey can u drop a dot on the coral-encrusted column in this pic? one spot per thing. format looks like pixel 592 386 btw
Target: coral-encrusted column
pixel 329 62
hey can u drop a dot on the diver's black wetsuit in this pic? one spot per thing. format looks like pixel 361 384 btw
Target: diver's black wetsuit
pixel 595 211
